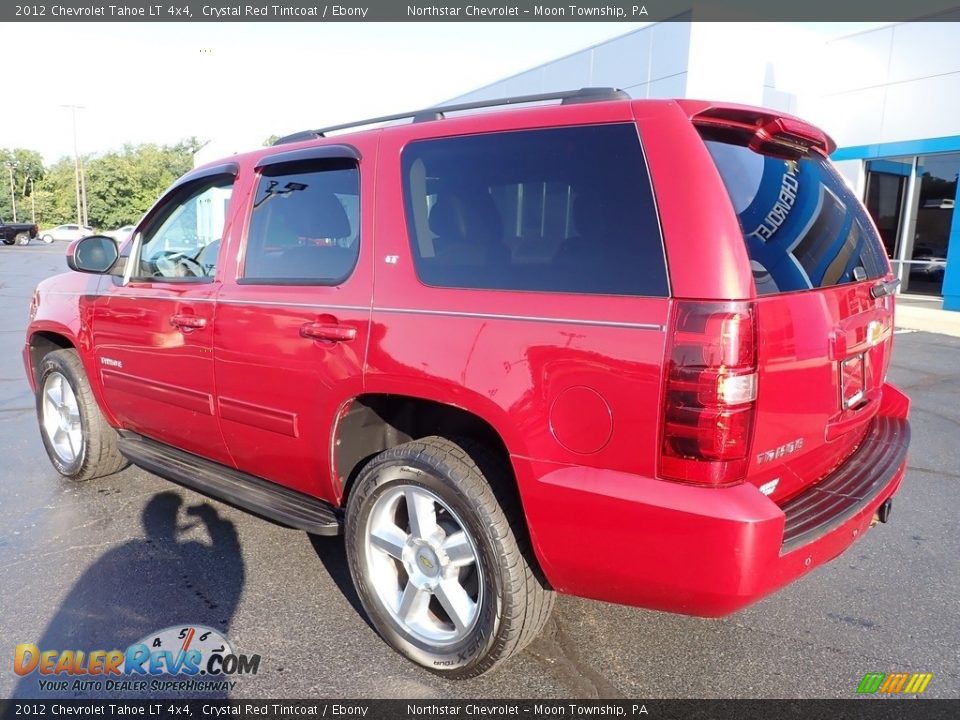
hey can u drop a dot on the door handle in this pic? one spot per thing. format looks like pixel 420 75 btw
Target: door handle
pixel 188 323
pixel 329 332
pixel 884 288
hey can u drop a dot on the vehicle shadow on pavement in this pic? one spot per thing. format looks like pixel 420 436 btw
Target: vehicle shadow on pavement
pixel 333 555
pixel 144 586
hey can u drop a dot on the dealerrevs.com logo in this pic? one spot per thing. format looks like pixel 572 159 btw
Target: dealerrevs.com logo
pixel 182 658
pixel 897 683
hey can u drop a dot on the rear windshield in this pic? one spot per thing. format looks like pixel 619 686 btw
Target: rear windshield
pixel 803 227
pixel 557 210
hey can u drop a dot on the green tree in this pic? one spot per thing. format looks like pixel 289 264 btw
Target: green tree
pixel 121 186
pixel 55 195
pixel 27 165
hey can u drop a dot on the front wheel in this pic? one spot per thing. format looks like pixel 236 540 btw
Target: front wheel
pixel 48 239
pixel 442 572
pixel 78 440
pixel 23 238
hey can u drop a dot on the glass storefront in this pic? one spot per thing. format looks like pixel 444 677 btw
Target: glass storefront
pixel 912 201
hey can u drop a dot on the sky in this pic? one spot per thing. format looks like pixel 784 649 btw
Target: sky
pixel 239 83
pixel 162 82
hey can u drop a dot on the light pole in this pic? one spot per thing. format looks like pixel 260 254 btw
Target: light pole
pixel 78 179
pixel 33 202
pixel 13 190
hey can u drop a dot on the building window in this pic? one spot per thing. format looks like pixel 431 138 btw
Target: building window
pixel 912 201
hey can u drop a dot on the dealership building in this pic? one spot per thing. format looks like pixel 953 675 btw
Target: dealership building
pixel 889 96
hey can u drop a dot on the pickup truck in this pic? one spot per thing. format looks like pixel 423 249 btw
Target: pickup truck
pixel 20 233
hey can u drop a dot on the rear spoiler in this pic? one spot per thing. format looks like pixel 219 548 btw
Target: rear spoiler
pixel 761 130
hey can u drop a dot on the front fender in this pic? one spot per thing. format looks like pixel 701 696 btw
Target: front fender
pixel 61 310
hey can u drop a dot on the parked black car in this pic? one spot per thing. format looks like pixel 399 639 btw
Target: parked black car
pixel 20 233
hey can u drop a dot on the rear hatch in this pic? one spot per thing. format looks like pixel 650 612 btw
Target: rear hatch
pixel 824 311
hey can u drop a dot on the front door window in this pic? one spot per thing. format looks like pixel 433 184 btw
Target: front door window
pixel 183 240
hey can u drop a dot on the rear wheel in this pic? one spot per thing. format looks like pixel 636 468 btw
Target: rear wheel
pixel 8 241
pixel 438 558
pixel 78 440
pixel 23 238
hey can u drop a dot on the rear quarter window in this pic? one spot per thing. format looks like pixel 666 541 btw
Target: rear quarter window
pixel 802 226
pixel 558 210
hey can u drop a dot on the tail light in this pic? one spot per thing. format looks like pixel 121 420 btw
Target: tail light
pixel 711 392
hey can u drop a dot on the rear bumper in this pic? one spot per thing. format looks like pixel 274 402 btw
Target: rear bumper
pixel 698 551
pixel 841 496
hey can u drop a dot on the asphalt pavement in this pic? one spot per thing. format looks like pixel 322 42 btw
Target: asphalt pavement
pixel 100 565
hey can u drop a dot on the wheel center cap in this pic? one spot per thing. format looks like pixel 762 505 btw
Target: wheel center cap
pixel 428 562
pixel 424 564
pixel 64 413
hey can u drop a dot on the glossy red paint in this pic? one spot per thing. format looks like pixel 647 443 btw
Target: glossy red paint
pixel 157 377
pixel 800 351
pixel 62 308
pixel 702 551
pixel 252 389
pixel 280 388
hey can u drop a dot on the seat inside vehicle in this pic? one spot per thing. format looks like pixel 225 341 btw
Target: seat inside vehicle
pixel 304 239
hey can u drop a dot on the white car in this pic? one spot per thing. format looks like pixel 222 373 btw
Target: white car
pixel 69 233
pixel 121 234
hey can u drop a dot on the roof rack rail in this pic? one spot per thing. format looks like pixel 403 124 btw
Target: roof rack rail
pixel 567 97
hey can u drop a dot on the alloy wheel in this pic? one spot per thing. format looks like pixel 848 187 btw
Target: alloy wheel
pixel 61 418
pixel 423 565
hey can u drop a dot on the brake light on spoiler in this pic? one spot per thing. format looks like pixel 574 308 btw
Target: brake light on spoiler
pixel 777 135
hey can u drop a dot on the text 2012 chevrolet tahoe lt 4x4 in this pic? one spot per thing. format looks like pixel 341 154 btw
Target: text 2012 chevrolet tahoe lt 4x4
pixel 630 350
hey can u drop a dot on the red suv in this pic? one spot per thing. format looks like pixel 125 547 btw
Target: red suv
pixel 630 350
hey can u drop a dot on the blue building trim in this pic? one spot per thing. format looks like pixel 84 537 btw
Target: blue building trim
pixel 893 149
pixel 951 275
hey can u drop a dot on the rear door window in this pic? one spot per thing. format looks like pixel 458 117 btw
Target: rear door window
pixel 803 227
pixel 558 210
pixel 304 229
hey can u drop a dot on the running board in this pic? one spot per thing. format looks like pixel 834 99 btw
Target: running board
pixel 246 492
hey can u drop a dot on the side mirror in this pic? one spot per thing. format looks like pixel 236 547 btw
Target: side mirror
pixel 93 254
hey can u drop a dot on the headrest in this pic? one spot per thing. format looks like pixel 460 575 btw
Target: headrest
pixel 328 218
pixel 314 216
pixel 591 214
pixel 466 217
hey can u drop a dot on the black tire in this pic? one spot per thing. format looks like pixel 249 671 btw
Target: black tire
pixel 23 238
pixel 514 604
pixel 97 455
pixel 48 239
pixel 8 241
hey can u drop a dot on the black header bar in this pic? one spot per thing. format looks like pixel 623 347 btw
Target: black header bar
pixel 478 11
